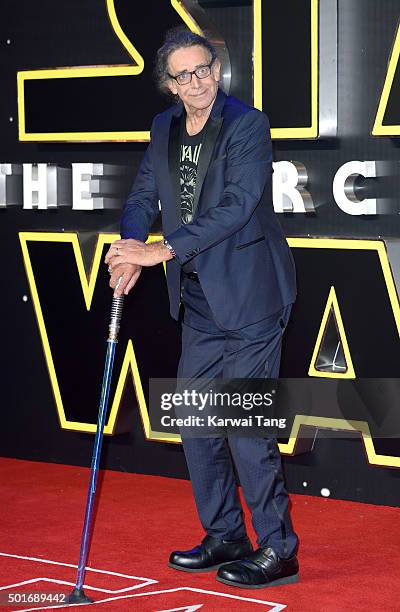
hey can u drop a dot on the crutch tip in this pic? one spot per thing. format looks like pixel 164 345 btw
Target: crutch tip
pixel 77 597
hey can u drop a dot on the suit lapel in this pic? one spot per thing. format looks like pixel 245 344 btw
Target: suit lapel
pixel 210 137
pixel 173 163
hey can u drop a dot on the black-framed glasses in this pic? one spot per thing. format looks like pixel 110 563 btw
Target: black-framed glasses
pixel 184 78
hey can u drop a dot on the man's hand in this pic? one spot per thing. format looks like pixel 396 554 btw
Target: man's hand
pixel 136 252
pixel 129 273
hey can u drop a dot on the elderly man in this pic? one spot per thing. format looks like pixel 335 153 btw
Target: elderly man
pixel 209 163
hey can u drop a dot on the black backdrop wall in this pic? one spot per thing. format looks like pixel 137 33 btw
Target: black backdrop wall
pixel 356 39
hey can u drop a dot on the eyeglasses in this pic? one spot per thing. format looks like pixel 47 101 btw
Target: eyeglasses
pixel 184 78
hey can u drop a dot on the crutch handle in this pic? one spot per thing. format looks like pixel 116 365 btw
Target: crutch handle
pixel 116 313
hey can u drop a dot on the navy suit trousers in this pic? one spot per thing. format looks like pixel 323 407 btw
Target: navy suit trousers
pixel 251 352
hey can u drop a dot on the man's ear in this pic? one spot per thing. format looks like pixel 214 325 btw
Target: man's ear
pixel 172 86
pixel 217 69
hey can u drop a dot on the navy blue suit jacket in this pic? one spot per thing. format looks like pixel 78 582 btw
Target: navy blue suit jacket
pixel 243 261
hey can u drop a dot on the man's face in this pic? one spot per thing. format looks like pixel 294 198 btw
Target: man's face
pixel 199 94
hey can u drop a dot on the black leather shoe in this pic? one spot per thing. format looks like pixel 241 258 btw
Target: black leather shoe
pixel 210 554
pixel 262 568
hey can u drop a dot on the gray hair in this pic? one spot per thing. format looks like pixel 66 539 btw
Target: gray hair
pixel 177 38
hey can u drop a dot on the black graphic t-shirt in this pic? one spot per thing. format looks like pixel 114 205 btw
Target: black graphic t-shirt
pixel 190 149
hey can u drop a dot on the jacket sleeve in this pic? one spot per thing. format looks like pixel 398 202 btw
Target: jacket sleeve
pixel 141 207
pixel 248 167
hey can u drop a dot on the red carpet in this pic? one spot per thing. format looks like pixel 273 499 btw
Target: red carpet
pixel 349 556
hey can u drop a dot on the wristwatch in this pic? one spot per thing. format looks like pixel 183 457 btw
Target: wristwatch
pixel 169 247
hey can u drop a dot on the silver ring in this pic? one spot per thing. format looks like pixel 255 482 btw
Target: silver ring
pixel 110 269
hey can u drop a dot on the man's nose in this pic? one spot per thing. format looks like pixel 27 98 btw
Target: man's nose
pixel 195 81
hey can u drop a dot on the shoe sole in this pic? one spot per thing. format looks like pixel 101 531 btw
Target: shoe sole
pixel 196 571
pixel 280 582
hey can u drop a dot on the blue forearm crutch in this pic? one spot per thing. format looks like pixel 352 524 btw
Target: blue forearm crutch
pixel 78 594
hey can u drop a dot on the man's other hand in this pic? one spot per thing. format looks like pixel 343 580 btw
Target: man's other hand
pixel 135 252
pixel 129 274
